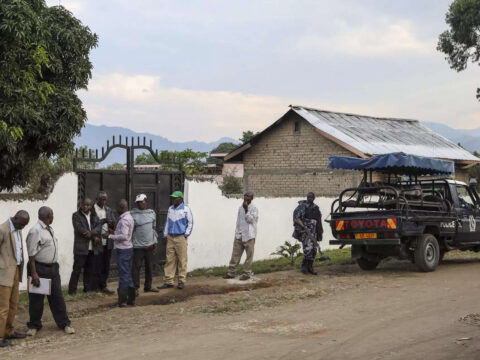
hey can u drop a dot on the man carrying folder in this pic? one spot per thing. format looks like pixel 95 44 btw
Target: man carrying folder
pixel 42 247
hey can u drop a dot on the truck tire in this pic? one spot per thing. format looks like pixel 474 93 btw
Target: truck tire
pixel 427 253
pixel 367 264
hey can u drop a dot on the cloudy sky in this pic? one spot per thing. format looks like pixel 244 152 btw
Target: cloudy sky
pixel 200 70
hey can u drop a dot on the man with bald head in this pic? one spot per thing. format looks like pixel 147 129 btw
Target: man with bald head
pixel 122 243
pixel 87 248
pixel 42 247
pixel 11 258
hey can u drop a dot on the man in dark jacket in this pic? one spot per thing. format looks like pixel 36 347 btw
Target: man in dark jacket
pixel 108 219
pixel 307 217
pixel 87 248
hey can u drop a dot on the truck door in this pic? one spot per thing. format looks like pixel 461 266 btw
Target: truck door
pixel 468 214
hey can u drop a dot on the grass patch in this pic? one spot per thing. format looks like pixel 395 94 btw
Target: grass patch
pixel 23 296
pixel 337 257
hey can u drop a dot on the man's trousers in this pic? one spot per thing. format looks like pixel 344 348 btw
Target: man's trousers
pixel 105 257
pixel 176 254
pixel 91 266
pixel 140 256
pixel 56 301
pixel 8 306
pixel 238 248
pixel 124 258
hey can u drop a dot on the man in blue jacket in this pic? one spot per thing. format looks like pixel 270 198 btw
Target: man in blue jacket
pixel 178 228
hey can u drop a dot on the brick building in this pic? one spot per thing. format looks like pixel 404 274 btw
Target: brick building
pixel 290 157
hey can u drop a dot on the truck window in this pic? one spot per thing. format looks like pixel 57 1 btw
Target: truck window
pixel 464 197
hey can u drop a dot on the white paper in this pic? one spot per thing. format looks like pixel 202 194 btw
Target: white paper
pixel 45 287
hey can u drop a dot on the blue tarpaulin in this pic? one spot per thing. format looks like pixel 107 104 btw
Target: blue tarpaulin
pixel 395 163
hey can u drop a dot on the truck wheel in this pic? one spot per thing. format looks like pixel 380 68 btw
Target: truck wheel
pixel 427 253
pixel 366 264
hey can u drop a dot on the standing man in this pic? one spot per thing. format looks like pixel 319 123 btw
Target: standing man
pixel 86 249
pixel 122 243
pixel 178 228
pixel 144 242
pixel 307 215
pixel 107 218
pixel 42 247
pixel 11 258
pixel 245 234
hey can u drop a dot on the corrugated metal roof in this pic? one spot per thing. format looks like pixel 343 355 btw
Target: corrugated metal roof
pixel 374 136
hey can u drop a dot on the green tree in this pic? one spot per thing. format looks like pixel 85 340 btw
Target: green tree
pixel 193 162
pixel 115 166
pixel 44 60
pixel 461 43
pixel 225 147
pixel 247 136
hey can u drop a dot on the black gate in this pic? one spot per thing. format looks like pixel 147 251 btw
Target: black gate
pixel 126 183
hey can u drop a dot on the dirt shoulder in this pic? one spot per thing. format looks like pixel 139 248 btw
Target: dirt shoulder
pixel 344 313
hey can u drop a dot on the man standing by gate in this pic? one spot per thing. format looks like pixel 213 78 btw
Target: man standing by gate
pixel 144 242
pixel 178 228
pixel 122 238
pixel 86 248
pixel 107 218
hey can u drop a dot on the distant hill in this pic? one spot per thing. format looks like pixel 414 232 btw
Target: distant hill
pixel 468 138
pixel 96 136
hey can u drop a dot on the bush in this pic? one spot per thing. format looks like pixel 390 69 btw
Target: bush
pixel 231 185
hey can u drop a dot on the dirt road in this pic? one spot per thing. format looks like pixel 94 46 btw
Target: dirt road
pixel 344 313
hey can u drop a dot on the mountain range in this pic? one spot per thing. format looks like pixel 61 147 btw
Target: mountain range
pixel 96 136
pixel 468 138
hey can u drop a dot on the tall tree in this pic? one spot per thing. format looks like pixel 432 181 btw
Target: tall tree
pixel 44 60
pixel 246 136
pixel 225 147
pixel 461 43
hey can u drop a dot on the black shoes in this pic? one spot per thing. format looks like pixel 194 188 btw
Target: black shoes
pixel 310 267
pixel 5 343
pixel 16 336
pixel 131 292
pixel 180 286
pixel 165 286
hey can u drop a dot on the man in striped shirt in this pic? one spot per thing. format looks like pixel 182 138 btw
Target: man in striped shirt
pixel 178 228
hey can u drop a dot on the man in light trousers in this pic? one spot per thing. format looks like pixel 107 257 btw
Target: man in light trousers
pixel 178 228
pixel 245 234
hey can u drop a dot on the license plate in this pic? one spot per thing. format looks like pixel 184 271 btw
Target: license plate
pixel 366 236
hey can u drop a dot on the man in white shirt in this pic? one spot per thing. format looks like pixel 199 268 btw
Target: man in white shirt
pixel 245 234
pixel 42 247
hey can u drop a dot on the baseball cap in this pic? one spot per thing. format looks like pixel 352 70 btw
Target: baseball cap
pixel 140 197
pixel 177 194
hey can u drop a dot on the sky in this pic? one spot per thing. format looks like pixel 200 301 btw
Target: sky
pixel 202 70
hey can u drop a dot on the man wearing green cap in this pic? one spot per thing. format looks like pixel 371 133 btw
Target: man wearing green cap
pixel 178 228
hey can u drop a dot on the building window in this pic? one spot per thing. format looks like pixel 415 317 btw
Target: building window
pixel 296 127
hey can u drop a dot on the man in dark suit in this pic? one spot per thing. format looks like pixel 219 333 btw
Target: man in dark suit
pixel 108 219
pixel 11 269
pixel 87 249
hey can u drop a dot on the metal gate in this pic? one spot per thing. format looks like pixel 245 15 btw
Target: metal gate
pixel 157 184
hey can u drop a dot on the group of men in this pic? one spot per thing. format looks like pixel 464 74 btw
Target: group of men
pixel 132 233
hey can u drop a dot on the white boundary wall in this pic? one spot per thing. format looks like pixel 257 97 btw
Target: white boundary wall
pixel 215 215
pixel 214 222
pixel 63 201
